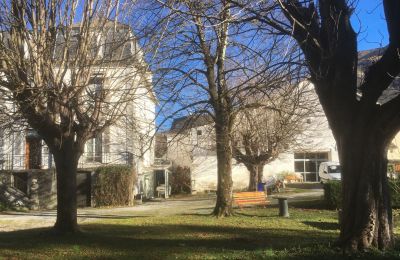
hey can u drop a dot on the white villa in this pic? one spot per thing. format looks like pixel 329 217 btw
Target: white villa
pixel 128 141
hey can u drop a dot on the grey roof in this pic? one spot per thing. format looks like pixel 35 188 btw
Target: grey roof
pixel 114 42
pixel 186 122
pixel 367 58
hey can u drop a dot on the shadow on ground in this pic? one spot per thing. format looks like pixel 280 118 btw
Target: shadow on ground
pixel 322 225
pixel 156 240
pixel 80 215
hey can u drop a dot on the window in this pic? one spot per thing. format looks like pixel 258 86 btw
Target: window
pixel 96 84
pixel 94 149
pixel 307 164
pixel 94 92
pixel 199 132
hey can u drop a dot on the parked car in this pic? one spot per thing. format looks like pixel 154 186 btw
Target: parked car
pixel 329 171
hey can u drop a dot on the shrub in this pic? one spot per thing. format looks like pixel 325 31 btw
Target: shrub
pixel 113 186
pixel 180 180
pixel 333 196
pixel 394 185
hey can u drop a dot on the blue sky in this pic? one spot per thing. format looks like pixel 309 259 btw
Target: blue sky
pixel 369 21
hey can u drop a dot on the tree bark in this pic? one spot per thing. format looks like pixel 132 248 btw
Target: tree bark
pixel 223 206
pixel 260 172
pixel 253 176
pixel 366 213
pixel 66 160
pixel 362 125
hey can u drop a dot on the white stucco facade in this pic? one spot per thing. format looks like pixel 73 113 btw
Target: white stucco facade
pixel 313 146
pixel 125 81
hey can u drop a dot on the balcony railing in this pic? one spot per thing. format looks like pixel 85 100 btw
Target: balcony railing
pixel 161 162
pixel 87 160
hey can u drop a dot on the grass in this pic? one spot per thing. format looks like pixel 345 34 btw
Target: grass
pixel 254 233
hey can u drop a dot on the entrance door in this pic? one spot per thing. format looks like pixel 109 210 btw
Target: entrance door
pixel 33 152
pixel 159 178
pixel 307 164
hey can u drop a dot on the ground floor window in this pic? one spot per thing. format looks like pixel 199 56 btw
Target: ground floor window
pixel 307 164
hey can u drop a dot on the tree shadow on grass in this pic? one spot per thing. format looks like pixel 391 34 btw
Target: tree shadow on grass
pixel 80 215
pixel 166 241
pixel 246 214
pixel 322 225
pixel 162 237
pixel 309 204
pixel 205 214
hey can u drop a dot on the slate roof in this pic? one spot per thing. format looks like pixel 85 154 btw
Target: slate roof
pixel 114 42
pixel 187 122
pixel 367 58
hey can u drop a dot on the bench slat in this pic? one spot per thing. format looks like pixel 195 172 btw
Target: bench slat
pixel 250 198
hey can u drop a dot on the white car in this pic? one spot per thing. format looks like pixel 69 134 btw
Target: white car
pixel 329 171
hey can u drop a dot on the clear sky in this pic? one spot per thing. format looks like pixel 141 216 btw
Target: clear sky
pixel 369 21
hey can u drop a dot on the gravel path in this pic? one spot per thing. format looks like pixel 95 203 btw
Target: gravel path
pixel 11 221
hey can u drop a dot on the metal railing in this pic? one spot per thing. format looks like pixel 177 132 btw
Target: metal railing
pixel 12 162
pixel 87 160
pixel 161 162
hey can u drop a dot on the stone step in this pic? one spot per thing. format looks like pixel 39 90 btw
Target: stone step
pixel 13 197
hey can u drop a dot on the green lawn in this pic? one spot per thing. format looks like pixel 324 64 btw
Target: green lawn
pixel 251 234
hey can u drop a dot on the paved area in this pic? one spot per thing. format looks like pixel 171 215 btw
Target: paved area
pixel 10 221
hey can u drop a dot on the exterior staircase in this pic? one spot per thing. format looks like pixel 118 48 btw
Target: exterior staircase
pixel 13 198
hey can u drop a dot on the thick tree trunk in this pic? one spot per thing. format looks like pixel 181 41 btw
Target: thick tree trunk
pixel 66 160
pixel 366 213
pixel 253 176
pixel 223 205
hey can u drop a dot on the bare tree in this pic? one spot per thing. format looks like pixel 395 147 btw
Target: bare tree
pixel 202 50
pixel 362 124
pixel 279 124
pixel 71 69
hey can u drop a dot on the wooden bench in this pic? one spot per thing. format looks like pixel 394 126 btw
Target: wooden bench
pixel 250 198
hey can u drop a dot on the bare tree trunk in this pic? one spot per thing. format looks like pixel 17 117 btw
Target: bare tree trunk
pixel 223 207
pixel 367 213
pixel 66 160
pixel 260 172
pixel 253 176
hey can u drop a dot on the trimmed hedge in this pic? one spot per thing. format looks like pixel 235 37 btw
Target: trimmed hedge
pixel 333 196
pixel 113 186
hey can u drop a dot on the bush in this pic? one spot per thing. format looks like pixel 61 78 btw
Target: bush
pixel 180 180
pixel 333 196
pixel 113 186
pixel 394 185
